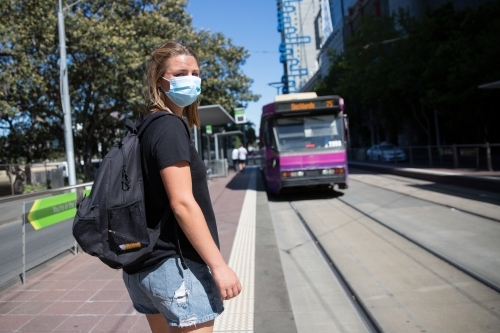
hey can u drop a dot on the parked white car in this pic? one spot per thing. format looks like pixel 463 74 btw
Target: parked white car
pixel 385 152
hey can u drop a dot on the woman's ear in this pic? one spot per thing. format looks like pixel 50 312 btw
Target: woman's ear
pixel 164 84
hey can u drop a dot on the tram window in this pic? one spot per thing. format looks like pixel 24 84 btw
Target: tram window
pixel 309 132
pixel 275 144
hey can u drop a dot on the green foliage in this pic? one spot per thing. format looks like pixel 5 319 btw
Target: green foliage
pixel 27 76
pixel 396 71
pixel 30 188
pixel 108 45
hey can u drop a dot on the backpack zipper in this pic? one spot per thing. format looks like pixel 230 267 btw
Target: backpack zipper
pixel 125 177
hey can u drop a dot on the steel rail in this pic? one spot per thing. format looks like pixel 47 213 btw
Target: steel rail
pixel 452 262
pixel 370 322
pixel 430 201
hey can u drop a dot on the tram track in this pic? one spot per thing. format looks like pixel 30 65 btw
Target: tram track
pixel 446 259
pixel 390 280
pixel 410 195
pixel 370 322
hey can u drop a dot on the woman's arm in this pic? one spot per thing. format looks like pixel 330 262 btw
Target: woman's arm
pixel 177 181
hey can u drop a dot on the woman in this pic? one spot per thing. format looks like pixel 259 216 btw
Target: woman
pixel 180 288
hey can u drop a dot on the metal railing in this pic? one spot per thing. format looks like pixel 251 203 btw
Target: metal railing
pixel 217 168
pixel 25 243
pixel 472 156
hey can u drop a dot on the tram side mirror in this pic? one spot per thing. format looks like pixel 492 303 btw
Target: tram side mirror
pixel 346 126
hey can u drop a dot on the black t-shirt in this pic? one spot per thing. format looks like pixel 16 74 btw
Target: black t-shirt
pixel 167 141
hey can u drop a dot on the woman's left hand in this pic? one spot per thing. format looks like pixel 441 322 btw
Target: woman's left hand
pixel 227 281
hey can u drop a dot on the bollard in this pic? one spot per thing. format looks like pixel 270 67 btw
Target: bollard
pixel 488 156
pixel 477 158
pixel 455 157
pixel 430 155
pixel 411 157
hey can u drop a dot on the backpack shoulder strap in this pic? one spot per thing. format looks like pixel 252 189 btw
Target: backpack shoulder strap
pixel 140 126
pixel 187 128
pixel 143 123
pixel 130 125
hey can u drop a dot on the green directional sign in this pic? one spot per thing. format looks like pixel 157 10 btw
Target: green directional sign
pixel 47 211
pixel 239 116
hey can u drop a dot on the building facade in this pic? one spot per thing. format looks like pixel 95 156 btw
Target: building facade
pixel 311 30
pixel 297 24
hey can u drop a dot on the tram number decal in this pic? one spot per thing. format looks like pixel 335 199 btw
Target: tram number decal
pixel 333 143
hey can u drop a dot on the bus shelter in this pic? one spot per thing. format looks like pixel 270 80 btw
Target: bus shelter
pixel 213 115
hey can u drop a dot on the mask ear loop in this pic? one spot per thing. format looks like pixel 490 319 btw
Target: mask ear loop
pixel 168 84
pixel 164 93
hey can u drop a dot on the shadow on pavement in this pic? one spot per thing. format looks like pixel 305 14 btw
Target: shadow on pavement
pixel 304 193
pixel 241 179
pixel 465 193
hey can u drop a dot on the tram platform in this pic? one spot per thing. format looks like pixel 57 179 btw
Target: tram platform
pixel 77 293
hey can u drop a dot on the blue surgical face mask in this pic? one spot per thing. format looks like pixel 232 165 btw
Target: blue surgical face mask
pixel 184 90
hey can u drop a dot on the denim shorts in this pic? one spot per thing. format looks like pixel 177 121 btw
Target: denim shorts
pixel 183 297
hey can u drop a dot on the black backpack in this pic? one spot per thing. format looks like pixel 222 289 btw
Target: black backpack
pixel 111 222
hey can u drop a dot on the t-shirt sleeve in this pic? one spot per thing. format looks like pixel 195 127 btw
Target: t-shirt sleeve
pixel 171 143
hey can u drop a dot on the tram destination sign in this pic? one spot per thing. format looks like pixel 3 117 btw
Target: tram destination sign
pixel 330 102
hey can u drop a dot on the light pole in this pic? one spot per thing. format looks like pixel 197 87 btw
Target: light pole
pixel 63 79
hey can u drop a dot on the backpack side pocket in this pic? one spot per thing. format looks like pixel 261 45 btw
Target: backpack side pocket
pixel 127 228
pixel 86 228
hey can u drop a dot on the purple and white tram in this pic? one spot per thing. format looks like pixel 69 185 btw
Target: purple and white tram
pixel 303 139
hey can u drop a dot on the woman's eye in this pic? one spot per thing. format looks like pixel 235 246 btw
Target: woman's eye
pixel 182 74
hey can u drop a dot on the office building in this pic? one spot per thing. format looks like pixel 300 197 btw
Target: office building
pixel 312 29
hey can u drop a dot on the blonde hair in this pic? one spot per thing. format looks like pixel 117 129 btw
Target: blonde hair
pixel 156 69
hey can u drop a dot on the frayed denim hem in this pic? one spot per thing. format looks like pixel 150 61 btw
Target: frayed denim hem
pixel 193 321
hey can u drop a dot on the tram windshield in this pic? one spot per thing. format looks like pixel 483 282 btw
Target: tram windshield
pixel 311 132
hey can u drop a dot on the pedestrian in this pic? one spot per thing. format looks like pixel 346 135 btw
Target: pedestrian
pixel 242 157
pixel 234 157
pixel 181 286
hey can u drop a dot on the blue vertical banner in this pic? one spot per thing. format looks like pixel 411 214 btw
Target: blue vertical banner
pixel 326 19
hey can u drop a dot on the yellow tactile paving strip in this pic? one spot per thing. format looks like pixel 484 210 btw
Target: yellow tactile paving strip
pixel 239 312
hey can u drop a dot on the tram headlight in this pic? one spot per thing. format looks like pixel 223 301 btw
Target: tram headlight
pixel 288 174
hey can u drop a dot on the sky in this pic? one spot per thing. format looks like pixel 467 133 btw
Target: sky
pixel 251 24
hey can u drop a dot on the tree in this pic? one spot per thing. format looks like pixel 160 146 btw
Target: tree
pixel 108 45
pixel 30 119
pixel 402 69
